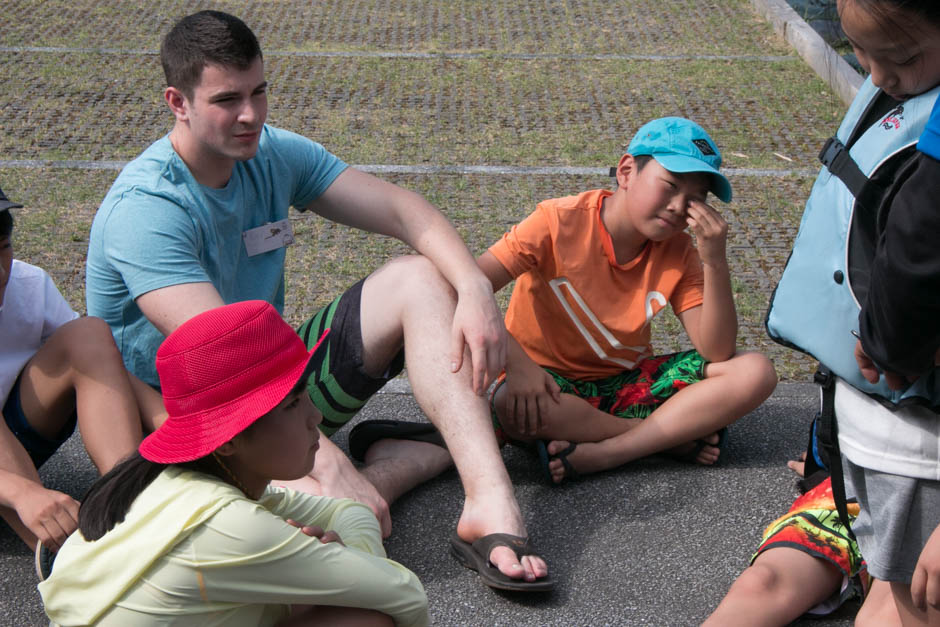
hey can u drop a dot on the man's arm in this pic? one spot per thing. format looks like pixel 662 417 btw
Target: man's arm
pixel 169 307
pixel 366 202
pixel 712 327
pixel 529 388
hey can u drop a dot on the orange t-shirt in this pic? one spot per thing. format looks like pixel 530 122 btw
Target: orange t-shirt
pixel 574 309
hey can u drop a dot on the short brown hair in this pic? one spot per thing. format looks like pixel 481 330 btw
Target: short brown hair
pixel 203 38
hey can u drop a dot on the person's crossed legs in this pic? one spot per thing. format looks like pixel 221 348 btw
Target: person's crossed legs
pixel 697 411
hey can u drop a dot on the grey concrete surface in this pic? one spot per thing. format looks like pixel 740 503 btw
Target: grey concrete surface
pixel 832 68
pixel 654 543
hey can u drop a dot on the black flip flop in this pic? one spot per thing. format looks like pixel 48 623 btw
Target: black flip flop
pixel 476 556
pixel 368 432
pixel 690 456
pixel 541 447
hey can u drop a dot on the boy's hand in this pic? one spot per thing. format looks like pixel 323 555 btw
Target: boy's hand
pixel 52 516
pixel 711 232
pixel 925 584
pixel 529 390
pixel 871 373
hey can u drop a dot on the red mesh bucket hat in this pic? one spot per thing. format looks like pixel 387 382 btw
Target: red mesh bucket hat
pixel 219 372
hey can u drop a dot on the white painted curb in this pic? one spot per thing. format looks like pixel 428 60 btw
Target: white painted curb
pixel 832 68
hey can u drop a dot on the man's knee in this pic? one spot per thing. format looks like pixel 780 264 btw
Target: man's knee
pixel 409 275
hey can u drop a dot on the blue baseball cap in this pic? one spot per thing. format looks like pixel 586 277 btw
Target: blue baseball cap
pixel 681 145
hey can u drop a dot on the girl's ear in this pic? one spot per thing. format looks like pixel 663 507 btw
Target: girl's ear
pixel 229 448
pixel 625 169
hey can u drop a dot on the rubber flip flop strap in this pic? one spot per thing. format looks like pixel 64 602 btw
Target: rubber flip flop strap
pixel 518 545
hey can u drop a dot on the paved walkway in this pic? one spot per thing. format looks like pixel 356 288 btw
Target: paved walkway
pixel 487 108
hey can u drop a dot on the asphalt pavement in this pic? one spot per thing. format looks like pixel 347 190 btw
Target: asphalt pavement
pixel 657 542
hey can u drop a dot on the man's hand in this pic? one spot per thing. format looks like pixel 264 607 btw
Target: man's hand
pixel 925 584
pixel 334 475
pixel 529 390
pixel 315 531
pixel 479 325
pixel 711 233
pixel 52 516
pixel 871 373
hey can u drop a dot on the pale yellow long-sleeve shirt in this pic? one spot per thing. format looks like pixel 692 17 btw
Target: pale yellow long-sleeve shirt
pixel 194 550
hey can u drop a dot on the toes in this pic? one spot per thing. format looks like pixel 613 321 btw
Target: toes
pixel 708 455
pixel 505 560
pixel 556 446
pixel 534 567
pixel 557 469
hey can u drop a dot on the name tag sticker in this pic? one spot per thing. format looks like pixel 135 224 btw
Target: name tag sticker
pixel 269 237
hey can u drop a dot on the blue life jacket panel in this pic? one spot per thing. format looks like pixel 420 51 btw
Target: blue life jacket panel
pixel 816 304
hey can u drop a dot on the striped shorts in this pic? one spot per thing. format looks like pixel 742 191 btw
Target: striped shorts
pixel 338 385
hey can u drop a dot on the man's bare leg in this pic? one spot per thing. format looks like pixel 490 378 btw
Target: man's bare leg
pixel 395 467
pixel 408 301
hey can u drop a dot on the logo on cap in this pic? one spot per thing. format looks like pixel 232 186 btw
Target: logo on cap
pixel 704 146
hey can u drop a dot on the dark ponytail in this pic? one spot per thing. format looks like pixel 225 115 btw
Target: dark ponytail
pixel 109 498
pixel 107 501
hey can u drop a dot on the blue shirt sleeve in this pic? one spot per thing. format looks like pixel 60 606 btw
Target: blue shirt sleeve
pixel 929 143
pixel 312 166
pixel 162 250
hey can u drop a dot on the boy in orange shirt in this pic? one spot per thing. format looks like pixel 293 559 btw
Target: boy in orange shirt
pixel 591 272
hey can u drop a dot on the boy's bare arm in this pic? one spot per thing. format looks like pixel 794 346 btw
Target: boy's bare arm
pixel 494 270
pixel 529 390
pixel 48 514
pixel 713 327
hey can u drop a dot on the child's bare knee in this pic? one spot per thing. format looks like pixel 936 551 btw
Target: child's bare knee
pixel 88 339
pixel 759 580
pixel 754 371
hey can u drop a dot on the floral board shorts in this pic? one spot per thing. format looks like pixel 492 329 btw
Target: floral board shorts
pixel 812 525
pixel 632 393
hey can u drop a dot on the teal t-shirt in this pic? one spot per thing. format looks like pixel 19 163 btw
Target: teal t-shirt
pixel 158 227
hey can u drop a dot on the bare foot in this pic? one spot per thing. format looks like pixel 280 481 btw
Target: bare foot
pixel 588 457
pixel 706 456
pixel 798 466
pixel 471 527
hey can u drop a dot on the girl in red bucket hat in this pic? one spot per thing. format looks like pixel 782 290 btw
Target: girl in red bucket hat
pixel 188 531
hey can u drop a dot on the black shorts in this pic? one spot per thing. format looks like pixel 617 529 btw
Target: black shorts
pixel 39 447
pixel 338 385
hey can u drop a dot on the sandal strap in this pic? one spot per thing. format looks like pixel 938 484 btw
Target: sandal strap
pixel 517 544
